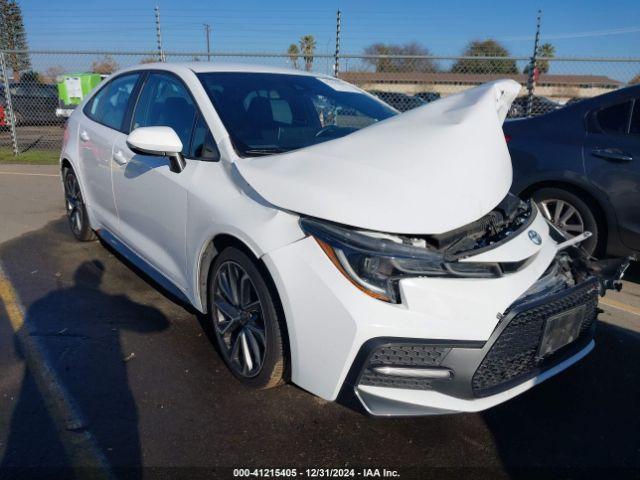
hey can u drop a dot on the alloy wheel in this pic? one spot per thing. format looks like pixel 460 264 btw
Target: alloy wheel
pixel 238 319
pixel 74 203
pixel 563 215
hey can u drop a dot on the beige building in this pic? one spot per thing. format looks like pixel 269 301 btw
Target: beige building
pixel 557 87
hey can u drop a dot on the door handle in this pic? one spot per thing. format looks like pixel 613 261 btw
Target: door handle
pixel 84 136
pixel 119 157
pixel 612 154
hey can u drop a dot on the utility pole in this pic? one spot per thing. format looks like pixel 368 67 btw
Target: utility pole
pixel 159 35
pixel 533 69
pixel 207 33
pixel 336 62
pixel 8 107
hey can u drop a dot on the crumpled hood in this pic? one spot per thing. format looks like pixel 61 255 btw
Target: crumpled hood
pixel 426 171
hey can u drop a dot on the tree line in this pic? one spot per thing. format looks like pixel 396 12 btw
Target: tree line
pixel 498 61
pixel 387 57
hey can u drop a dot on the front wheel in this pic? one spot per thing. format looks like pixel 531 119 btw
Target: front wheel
pixel 76 209
pixel 246 323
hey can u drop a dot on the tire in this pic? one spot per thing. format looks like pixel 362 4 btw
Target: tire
pixel 76 208
pixel 553 197
pixel 254 317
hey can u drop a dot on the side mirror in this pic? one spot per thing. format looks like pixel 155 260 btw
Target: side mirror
pixel 159 141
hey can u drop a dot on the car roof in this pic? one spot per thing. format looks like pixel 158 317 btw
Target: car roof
pixel 206 67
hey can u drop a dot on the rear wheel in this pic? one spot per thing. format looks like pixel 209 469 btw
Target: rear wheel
pixel 246 324
pixel 570 214
pixel 76 209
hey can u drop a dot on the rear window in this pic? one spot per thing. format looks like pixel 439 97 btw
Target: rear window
pixel 614 119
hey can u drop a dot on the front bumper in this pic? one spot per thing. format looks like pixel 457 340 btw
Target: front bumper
pixel 331 323
pixel 477 375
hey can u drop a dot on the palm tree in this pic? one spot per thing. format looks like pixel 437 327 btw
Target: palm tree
pixel 307 47
pixel 546 50
pixel 293 51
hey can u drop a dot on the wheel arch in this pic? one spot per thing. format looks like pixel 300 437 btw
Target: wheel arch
pixel 65 163
pixel 212 249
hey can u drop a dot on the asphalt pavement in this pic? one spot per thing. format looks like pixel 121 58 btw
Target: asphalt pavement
pixel 100 367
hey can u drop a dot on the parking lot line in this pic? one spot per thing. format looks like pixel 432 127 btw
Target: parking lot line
pixel 620 306
pixel 11 305
pixel 79 444
pixel 30 174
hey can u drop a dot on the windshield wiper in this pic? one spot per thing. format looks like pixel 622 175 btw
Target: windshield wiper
pixel 265 150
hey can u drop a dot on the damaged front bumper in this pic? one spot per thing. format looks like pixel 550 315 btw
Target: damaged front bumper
pixel 450 343
pixel 395 377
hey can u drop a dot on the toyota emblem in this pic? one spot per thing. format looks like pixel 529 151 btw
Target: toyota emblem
pixel 535 237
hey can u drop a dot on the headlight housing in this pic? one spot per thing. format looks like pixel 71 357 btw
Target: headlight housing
pixel 375 262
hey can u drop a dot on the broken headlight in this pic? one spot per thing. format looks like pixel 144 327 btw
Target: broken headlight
pixel 375 262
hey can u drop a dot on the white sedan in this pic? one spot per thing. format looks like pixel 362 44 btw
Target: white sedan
pixel 362 254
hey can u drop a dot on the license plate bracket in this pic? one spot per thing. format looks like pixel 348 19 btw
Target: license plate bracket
pixel 560 330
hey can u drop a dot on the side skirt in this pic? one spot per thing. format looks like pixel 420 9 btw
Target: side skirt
pixel 142 265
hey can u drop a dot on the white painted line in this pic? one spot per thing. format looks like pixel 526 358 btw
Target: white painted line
pixel 31 174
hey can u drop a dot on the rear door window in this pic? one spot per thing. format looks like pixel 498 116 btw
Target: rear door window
pixel 614 119
pixel 165 102
pixel 110 104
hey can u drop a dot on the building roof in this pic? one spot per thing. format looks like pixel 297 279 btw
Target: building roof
pixel 477 78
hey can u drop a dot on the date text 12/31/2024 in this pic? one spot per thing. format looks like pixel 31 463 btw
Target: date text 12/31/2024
pixel 315 473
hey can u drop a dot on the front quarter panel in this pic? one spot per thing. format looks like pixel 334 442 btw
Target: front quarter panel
pixel 222 203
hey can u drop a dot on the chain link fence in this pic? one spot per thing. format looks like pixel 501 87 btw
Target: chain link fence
pixel 34 104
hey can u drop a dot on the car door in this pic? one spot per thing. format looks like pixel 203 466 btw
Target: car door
pixel 99 127
pixel 612 162
pixel 151 200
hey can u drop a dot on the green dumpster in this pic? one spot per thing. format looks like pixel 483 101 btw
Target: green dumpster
pixel 72 88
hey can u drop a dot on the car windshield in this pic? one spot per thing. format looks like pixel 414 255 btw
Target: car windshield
pixel 268 113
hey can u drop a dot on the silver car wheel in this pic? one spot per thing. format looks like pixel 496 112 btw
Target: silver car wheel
pixel 238 319
pixel 563 215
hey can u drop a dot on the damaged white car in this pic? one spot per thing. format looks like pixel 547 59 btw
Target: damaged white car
pixel 360 254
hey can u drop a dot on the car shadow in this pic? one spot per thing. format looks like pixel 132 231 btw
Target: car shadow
pixel 80 336
pixel 586 417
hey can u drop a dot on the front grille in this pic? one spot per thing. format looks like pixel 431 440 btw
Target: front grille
pixel 514 353
pixel 402 355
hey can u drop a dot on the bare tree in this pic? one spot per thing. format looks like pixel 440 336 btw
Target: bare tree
pixel 105 65
pixel 51 74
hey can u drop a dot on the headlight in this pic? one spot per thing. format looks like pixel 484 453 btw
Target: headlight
pixel 375 262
